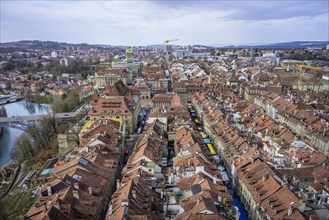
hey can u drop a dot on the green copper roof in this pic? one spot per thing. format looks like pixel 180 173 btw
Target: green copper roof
pixel 129 50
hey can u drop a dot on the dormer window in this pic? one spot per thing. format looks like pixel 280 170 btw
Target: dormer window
pixel 263 209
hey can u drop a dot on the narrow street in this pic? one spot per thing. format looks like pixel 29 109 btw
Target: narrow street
pixel 208 142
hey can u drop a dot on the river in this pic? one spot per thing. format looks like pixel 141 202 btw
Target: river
pixel 8 139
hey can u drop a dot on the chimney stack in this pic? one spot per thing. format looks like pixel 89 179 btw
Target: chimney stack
pixel 215 179
pixel 75 194
pixel 90 190
pixel 125 202
pixel 110 209
pixel 290 211
pixel 133 192
pixel 118 184
pixel 49 190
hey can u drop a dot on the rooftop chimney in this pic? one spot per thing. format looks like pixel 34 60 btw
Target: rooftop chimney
pixel 118 184
pixel 75 194
pixel 133 192
pixel 215 180
pixel 110 209
pixel 290 211
pixel 90 190
pixel 124 202
pixel 49 190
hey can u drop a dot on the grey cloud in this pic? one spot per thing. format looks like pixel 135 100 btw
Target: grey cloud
pixel 257 10
pixel 147 22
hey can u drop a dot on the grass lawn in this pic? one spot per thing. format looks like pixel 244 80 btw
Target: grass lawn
pixel 36 166
pixel 16 205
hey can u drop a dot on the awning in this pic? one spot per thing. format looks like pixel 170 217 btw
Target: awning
pixel 211 148
pixel 48 171
pixel 216 158
pixel 206 141
pixel 225 178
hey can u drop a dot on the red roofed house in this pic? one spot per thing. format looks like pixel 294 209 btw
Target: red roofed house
pixel 117 102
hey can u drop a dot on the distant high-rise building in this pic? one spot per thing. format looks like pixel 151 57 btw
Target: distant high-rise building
pixel 53 54
pixel 66 61
pixel 182 53
pixel 327 46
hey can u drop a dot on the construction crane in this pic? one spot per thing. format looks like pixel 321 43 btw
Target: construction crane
pixel 302 68
pixel 166 46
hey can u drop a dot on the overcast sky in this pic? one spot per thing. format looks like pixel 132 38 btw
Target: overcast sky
pixel 217 22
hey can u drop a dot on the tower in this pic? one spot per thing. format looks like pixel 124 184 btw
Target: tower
pixel 129 55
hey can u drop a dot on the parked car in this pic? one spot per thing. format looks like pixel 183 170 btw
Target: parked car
pixel 139 130
pixel 126 152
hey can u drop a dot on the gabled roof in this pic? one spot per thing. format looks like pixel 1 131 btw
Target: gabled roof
pixel 118 89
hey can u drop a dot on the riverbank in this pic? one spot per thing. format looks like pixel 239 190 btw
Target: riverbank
pixel 10 135
pixel 40 99
pixel 3 113
pixel 10 162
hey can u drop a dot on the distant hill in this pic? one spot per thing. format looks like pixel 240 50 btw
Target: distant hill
pixel 293 44
pixel 36 44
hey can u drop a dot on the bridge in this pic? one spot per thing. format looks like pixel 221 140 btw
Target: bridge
pixel 9 99
pixel 20 122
